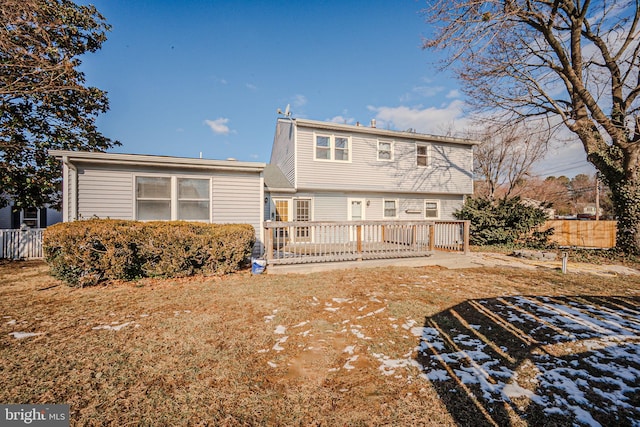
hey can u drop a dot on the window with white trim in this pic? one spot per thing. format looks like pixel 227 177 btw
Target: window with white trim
pixel 193 199
pixel 167 198
pixel 30 217
pixel 323 147
pixel 333 148
pixel 423 155
pixel 431 209
pixel 390 208
pixel 385 150
pixel 153 198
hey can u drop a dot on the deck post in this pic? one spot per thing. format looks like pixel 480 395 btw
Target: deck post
pixel 268 244
pixel 467 226
pixel 359 240
pixel 432 236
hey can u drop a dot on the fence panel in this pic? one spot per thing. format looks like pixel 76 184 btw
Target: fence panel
pixel 21 244
pixel 585 234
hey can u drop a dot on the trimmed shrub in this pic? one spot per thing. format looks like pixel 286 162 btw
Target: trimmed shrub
pixel 506 222
pixel 87 252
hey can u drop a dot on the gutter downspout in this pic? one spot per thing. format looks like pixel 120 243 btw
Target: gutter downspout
pixel 69 190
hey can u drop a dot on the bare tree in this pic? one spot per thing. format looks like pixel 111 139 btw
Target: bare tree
pixel 573 61
pixel 506 156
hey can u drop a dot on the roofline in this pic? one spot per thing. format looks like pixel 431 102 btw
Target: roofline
pixel 152 160
pixel 378 131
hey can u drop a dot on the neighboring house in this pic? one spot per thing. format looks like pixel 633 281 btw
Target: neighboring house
pixel 333 172
pixel 144 187
pixel 13 217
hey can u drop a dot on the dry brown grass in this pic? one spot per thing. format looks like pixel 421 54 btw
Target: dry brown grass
pixel 212 351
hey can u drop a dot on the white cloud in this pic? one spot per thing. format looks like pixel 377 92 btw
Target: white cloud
pixel 341 120
pixel 251 86
pixel 448 119
pixel 299 100
pixel 219 125
pixel 428 91
pixel 453 93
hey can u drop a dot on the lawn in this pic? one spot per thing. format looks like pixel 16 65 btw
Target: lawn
pixel 391 346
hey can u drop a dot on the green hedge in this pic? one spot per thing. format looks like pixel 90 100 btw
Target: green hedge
pixel 87 252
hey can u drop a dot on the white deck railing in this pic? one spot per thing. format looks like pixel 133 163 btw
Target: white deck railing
pixel 21 243
pixel 315 241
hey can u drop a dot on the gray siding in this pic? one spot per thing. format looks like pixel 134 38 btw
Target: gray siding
pixel 283 150
pixel 449 172
pixel 105 193
pixel 5 217
pixel 335 206
pixel 236 198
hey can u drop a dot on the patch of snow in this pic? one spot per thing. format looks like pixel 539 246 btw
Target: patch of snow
pixel 332 309
pixel 23 335
pixel 349 349
pixel 272 364
pixel 280 330
pixel 438 375
pixel 301 324
pixel 277 346
pixel 348 366
pixel 111 327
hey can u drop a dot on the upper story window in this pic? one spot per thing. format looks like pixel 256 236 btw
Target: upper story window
pixel 172 198
pixel 431 209
pixel 323 147
pixel 423 155
pixel 385 150
pixel 333 148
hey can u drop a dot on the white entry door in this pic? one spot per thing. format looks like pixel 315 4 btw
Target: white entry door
pixel 356 213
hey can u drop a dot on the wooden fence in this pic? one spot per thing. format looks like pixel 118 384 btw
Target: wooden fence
pixel 21 244
pixel 584 234
pixel 315 241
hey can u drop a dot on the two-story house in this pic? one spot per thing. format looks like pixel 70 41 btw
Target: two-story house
pixel 323 171
pixel 318 172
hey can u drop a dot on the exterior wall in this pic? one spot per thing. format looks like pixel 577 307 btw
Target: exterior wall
pixel 329 206
pixel 237 198
pixel 108 191
pixel 5 218
pixel 449 170
pixel 283 150
pixel 105 192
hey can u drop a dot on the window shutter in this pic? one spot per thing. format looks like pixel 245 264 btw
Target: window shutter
pixel 43 218
pixel 15 217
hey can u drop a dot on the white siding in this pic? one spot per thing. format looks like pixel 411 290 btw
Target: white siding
pixel 334 206
pixel 283 150
pixel 449 170
pixel 105 193
pixel 236 198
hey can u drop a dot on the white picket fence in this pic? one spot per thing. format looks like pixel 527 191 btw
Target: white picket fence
pixel 21 243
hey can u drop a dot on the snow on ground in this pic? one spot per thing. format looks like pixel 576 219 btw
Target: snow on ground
pixel 580 359
pixel 569 356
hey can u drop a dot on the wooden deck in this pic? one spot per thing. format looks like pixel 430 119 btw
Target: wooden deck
pixel 314 242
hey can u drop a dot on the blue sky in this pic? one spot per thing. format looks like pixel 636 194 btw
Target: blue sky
pixel 186 77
